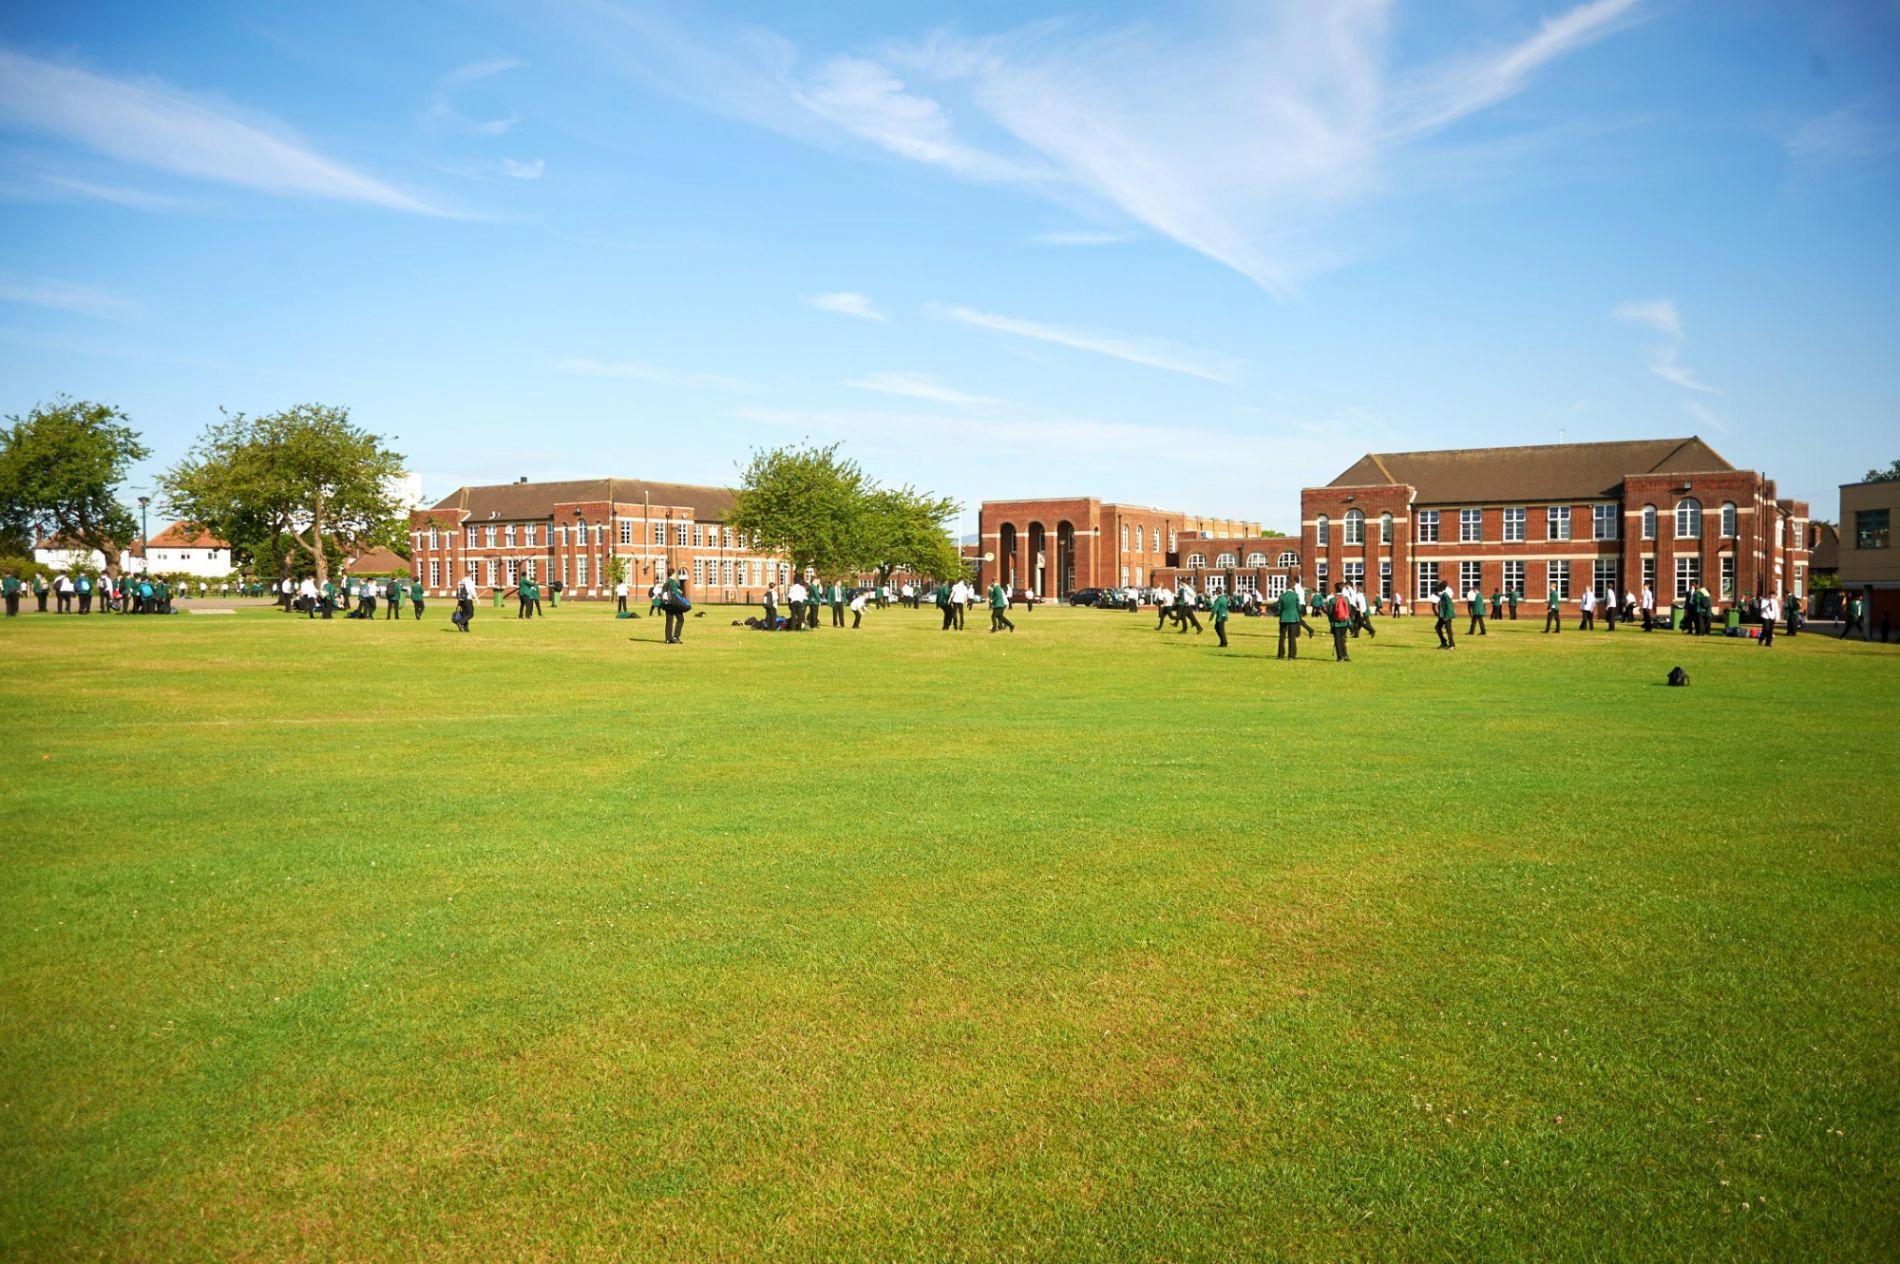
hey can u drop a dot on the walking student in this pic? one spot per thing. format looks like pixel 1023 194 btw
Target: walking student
pixel 999 609
pixel 836 594
pixel 1220 618
pixel 1476 605
pixel 1587 607
pixel 1770 612
pixel 1447 609
pixel 416 594
pixel 1553 612
pixel 1339 617
pixel 677 604
pixel 11 587
pixel 1288 604
pixel 1184 602
pixel 943 605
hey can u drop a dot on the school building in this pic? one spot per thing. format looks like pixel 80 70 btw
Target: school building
pixel 1869 564
pixel 574 532
pixel 1670 513
pixel 1053 546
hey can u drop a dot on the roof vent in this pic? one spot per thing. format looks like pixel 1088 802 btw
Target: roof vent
pixel 522 479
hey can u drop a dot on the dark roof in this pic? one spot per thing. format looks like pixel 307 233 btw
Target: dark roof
pixel 1825 553
pixel 187 535
pixel 377 561
pixel 520 501
pixel 1546 471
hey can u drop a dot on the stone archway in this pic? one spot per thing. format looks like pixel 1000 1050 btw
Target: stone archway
pixel 1065 558
pixel 1038 560
pixel 1006 554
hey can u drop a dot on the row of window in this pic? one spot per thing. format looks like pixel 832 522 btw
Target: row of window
pixel 1603 577
pixel 1226 561
pixel 575 569
pixel 1141 539
pixel 685 534
pixel 1605 523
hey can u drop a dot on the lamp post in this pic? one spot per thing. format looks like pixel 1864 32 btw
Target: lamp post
pixel 145 540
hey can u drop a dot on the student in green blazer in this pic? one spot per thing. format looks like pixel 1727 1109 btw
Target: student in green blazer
pixel 1446 608
pixel 1220 617
pixel 1289 608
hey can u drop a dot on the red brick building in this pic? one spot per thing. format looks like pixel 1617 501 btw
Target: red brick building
pixel 1265 564
pixel 1671 513
pixel 572 532
pixel 1051 547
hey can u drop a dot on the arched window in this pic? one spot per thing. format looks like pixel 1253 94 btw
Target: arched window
pixel 1124 544
pixel 1649 522
pixel 1385 528
pixel 1688 519
pixel 1728 519
pixel 1289 558
pixel 1138 545
pixel 1224 561
pixel 1355 527
pixel 1256 559
pixel 1325 529
pixel 1197 561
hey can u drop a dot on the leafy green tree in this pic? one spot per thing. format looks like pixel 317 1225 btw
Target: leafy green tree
pixel 1889 475
pixel 904 530
pixel 304 481
pixel 60 470
pixel 806 503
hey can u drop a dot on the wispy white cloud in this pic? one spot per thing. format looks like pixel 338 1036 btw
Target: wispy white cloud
pixel 524 170
pixel 155 125
pixel 1703 414
pixel 135 199
pixel 1867 129
pixel 638 371
pixel 1243 146
pixel 918 386
pixel 1663 363
pixel 83 300
pixel 1081 237
pixel 1658 313
pixel 1154 353
pixel 848 303
pixel 442 112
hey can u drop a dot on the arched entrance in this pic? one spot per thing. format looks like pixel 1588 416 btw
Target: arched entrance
pixel 1065 558
pixel 1006 554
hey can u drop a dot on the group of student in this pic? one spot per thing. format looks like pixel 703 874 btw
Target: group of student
pixel 357 598
pixel 74 594
pixel 796 610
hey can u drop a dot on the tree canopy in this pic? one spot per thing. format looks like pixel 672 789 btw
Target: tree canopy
pixel 1889 475
pixel 822 512
pixel 303 481
pixel 60 470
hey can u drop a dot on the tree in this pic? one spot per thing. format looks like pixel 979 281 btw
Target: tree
pixel 60 469
pixel 1889 475
pixel 301 481
pixel 806 503
pixel 904 530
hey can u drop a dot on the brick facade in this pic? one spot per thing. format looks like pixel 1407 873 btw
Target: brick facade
pixel 1052 547
pixel 1484 524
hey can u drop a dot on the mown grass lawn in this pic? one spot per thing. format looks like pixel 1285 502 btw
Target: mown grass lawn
pixel 325 941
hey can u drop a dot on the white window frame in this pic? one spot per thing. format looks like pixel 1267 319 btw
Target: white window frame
pixel 1688 574
pixel 1355 527
pixel 1604 522
pixel 1557 576
pixel 1688 519
pixel 1470 526
pixel 1428 526
pixel 1557 522
pixel 1514 575
pixel 1515 520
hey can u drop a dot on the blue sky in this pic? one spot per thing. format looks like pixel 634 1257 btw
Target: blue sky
pixel 1189 255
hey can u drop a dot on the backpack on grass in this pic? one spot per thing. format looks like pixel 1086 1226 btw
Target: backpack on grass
pixel 1678 677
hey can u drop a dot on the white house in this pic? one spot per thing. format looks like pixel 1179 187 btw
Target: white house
pixel 182 549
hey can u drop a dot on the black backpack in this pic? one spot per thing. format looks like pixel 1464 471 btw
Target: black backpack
pixel 1678 677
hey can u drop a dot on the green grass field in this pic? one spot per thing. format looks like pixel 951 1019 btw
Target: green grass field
pixel 325 941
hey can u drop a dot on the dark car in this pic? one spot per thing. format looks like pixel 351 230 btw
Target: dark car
pixel 1089 596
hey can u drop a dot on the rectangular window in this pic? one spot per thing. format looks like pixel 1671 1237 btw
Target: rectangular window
pixel 1470 526
pixel 432 538
pixel 1319 575
pixel 435 573
pixel 514 574
pixel 698 536
pixel 1385 580
pixel 1557 522
pixel 1649 573
pixel 679 533
pixel 491 572
pixel 1428 526
pixel 658 533
pixel 1603 522
pixel 1325 530
pixel 1354 573
pixel 1603 577
pixel 1688 574
pixel 528 568
pixel 490 536
pixel 532 533
pixel 1514 577
pixel 1427 579
pixel 1728 576
pixel 508 535
pixel 699 572
pixel 468 568
pixel 1276 584
pixel 1870 528
pixel 1557 577
pixel 580 570
pixel 1514 523
pixel 626 531
pixel 1385 529
pixel 1216 583
pixel 1800 579
pixel 1470 577
pixel 473 540
pixel 1355 528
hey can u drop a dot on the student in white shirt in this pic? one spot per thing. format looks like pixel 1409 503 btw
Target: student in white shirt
pixel 465 593
pixel 1588 604
pixel 1770 611
pixel 620 597
pixel 857 607
pixel 1164 603
pixel 1649 608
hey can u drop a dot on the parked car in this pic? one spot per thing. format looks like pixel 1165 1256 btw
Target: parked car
pixel 1089 596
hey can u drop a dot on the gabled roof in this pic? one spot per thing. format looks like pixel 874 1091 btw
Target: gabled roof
pixel 1553 471
pixel 376 561
pixel 187 535
pixel 1825 553
pixel 522 501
